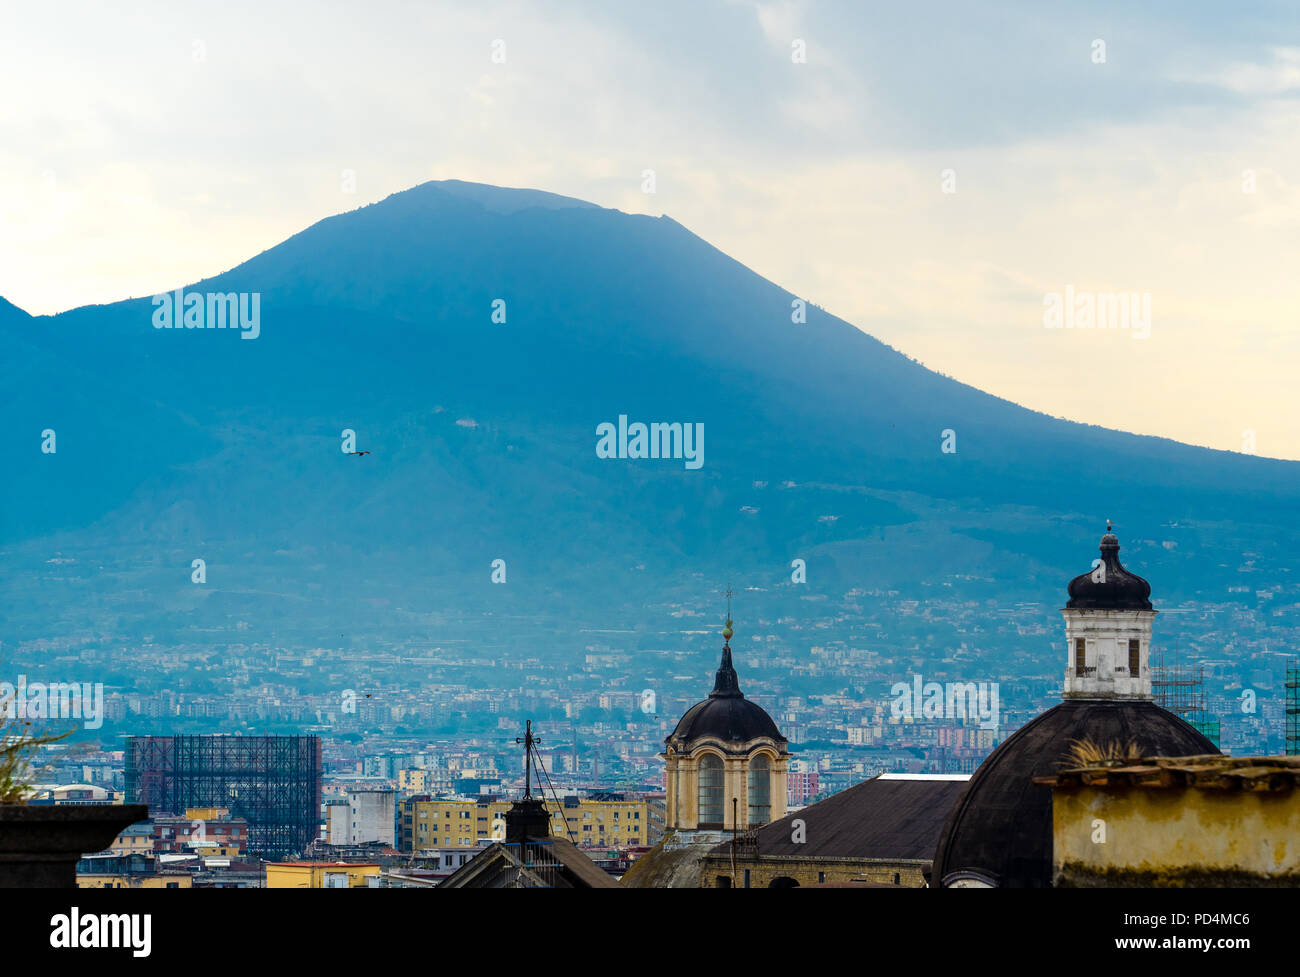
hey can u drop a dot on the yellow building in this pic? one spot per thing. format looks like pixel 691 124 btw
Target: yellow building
pixel 137 838
pixel 415 781
pixel 1202 822
pixel 134 882
pixel 320 875
pixel 439 823
pixel 127 871
pixel 603 823
pixel 207 813
pixel 597 823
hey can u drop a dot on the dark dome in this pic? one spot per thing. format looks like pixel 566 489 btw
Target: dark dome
pixel 1108 586
pixel 726 713
pixel 1001 826
pixel 733 719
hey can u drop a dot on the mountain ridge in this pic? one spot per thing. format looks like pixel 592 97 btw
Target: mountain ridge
pixel 483 434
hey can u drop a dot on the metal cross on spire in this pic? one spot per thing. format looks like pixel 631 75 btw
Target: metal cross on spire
pixel 529 741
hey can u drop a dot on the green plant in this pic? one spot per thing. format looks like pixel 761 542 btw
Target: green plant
pixel 18 744
pixel 1086 753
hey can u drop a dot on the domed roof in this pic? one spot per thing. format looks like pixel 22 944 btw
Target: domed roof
pixel 1108 586
pixel 726 714
pixel 731 719
pixel 1001 828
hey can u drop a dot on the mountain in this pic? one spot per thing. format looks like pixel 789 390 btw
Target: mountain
pixel 821 444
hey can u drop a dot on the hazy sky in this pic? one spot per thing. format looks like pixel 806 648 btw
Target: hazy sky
pixel 149 146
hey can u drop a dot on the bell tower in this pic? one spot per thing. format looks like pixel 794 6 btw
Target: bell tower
pixel 1108 630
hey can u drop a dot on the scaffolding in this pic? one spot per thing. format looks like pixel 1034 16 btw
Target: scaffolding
pixel 1180 689
pixel 1293 706
pixel 272 782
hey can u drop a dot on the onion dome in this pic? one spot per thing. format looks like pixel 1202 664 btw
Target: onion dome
pixel 1108 586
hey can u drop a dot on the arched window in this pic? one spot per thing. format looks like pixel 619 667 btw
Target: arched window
pixel 760 791
pixel 711 790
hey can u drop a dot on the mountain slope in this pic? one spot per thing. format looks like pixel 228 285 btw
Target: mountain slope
pixel 820 442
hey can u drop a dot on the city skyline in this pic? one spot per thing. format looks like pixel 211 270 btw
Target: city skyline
pixel 730 444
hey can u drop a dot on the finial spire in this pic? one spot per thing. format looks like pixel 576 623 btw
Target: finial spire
pixel 529 741
pixel 726 683
pixel 527 820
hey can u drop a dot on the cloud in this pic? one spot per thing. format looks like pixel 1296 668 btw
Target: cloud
pixel 1280 75
pixel 129 167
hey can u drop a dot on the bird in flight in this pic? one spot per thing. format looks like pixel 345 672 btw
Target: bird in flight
pixel 358 452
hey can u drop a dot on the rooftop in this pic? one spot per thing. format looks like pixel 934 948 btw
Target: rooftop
pixel 324 864
pixel 1208 772
pixel 893 816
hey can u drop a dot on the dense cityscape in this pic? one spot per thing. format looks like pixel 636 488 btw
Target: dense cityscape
pixel 389 751
pixel 733 445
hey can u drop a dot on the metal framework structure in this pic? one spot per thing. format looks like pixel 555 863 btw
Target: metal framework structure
pixel 273 782
pixel 1293 706
pixel 536 866
pixel 1180 689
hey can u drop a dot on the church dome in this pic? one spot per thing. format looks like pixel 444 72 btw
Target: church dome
pixel 726 714
pixel 730 719
pixel 1000 831
pixel 1108 586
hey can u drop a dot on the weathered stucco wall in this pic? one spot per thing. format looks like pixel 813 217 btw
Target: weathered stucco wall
pixel 1138 836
